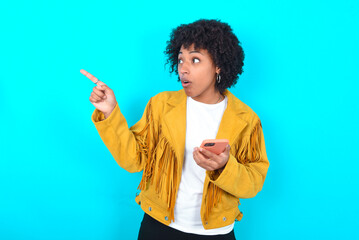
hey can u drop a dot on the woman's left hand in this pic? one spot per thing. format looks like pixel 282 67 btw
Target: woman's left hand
pixel 210 161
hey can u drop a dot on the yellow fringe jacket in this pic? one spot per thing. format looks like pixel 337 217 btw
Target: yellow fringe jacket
pixel 156 143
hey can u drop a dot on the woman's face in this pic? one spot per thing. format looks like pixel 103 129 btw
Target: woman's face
pixel 197 72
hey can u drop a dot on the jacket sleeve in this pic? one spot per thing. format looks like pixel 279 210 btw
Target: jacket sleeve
pixel 129 147
pixel 245 172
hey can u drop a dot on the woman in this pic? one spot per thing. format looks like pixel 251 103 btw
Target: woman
pixel 188 192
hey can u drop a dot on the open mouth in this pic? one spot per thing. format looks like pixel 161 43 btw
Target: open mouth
pixel 185 83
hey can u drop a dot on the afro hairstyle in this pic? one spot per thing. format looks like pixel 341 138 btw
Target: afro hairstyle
pixel 218 39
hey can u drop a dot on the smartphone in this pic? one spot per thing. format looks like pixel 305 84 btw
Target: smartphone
pixel 216 146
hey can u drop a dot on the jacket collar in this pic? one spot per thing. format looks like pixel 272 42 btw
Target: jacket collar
pixel 232 123
pixel 175 120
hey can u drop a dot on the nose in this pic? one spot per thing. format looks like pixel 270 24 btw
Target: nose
pixel 183 68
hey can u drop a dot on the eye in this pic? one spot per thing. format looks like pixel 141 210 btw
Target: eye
pixel 195 60
pixel 180 61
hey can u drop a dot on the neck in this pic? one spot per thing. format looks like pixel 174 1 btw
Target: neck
pixel 213 99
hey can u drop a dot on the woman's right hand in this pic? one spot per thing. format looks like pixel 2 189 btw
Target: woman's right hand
pixel 102 97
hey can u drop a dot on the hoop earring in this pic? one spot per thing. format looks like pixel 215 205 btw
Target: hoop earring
pixel 218 78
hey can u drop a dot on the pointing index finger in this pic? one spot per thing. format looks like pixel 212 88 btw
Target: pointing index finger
pixel 90 76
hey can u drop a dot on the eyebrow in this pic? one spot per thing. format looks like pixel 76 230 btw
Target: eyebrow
pixel 192 52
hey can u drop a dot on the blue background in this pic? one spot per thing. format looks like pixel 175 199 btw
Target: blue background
pixel 59 181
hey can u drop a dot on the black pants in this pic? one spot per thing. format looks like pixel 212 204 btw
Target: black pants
pixel 151 229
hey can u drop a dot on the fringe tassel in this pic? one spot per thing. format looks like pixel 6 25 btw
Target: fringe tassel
pixel 255 143
pixel 166 175
pixel 163 172
pixel 249 151
pixel 145 147
pixel 214 194
pixel 250 148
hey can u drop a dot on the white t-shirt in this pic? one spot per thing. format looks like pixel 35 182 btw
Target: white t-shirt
pixel 202 123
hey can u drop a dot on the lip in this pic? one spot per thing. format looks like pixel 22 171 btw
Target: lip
pixel 185 82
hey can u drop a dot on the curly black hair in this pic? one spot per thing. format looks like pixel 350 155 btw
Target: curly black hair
pixel 218 39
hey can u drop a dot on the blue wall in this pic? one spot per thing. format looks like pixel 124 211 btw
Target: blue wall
pixel 58 180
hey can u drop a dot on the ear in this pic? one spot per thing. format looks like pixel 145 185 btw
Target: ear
pixel 218 70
